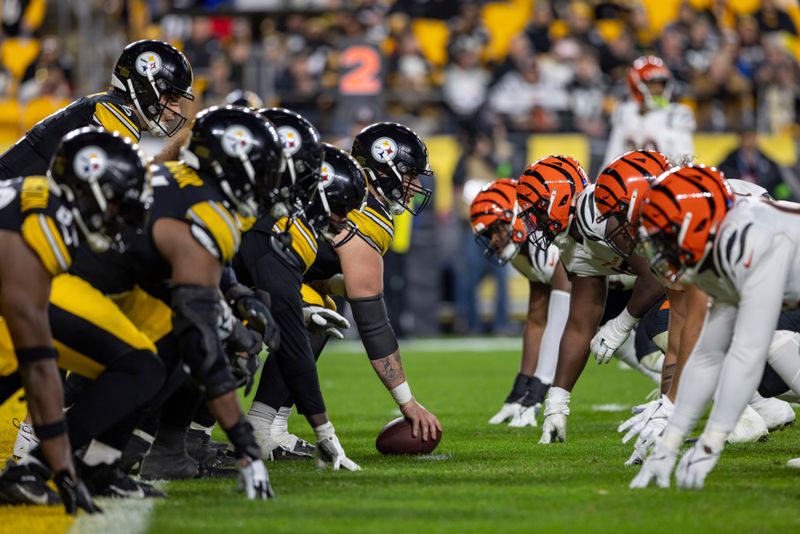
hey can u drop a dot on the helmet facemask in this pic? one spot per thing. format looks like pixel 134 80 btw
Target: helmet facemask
pixel 403 191
pixel 150 106
pixel 498 243
pixel 541 229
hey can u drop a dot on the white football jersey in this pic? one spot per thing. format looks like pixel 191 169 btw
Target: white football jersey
pixel 592 256
pixel 537 265
pixel 668 130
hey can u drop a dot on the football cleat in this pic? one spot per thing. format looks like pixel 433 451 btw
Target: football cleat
pixel 108 480
pixel 794 463
pixel 776 413
pixel 135 450
pixel 26 484
pixel 163 463
pixel 508 411
pixel 202 448
pixel 26 439
pixel 749 428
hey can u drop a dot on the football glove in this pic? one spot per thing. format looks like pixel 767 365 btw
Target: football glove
pixel 556 410
pixel 695 465
pixel 321 321
pixel 508 411
pixel 254 481
pixel 653 427
pixel 330 451
pixel 253 307
pixel 657 467
pixel 74 494
pixel 612 335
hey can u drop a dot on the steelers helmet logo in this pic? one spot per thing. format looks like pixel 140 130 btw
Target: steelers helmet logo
pixel 384 149
pixel 237 140
pixel 90 163
pixel 326 175
pixel 148 63
pixel 290 138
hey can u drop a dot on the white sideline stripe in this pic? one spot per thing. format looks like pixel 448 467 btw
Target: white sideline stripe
pixel 451 344
pixel 120 516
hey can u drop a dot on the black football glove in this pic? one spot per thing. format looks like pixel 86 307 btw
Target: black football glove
pixel 253 307
pixel 74 494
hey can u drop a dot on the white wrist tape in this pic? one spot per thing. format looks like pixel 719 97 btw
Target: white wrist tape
pixel 402 394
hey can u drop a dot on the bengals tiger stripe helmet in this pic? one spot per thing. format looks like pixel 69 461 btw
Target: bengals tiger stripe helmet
pixel 493 216
pixel 679 219
pixel 546 194
pixel 618 191
pixel 649 69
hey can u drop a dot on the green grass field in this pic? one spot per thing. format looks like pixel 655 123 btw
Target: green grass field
pixel 489 478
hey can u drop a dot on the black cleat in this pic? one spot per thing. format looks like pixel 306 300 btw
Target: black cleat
pixel 300 450
pixel 164 463
pixel 135 450
pixel 108 480
pixel 26 484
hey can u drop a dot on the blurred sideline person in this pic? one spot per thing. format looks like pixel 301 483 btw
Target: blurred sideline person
pixel 494 217
pixel 649 120
pixel 150 80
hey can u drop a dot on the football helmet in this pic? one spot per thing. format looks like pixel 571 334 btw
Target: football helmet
pixel 393 157
pixel 647 69
pixel 618 190
pixel 151 74
pixel 102 176
pixel 493 216
pixel 546 194
pixel 247 99
pixel 302 150
pixel 241 151
pixel 680 216
pixel 342 188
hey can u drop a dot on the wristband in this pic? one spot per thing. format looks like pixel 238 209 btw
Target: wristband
pixel 402 394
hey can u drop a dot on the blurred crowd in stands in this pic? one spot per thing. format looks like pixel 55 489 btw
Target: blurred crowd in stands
pixel 491 74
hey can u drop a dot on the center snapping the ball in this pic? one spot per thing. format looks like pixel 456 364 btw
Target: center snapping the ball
pixel 396 438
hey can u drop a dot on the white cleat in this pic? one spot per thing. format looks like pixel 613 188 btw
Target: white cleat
pixel 794 463
pixel 777 414
pixel 508 411
pixel 26 439
pixel 750 428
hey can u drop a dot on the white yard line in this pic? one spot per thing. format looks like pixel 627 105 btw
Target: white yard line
pixel 120 516
pixel 448 344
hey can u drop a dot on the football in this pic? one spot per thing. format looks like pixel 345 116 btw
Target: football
pixel 396 438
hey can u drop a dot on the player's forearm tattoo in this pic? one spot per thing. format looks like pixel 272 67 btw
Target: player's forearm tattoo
pixel 390 370
pixel 666 377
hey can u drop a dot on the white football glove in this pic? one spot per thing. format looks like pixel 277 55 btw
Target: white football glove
pixel 508 411
pixel 322 321
pixel 634 424
pixel 695 465
pixel 556 410
pixel 526 416
pixel 657 467
pixel 653 427
pixel 612 335
pixel 330 451
pixel 254 481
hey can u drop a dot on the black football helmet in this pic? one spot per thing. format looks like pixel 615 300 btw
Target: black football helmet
pixel 241 150
pixel 148 70
pixel 102 176
pixel 393 157
pixel 341 189
pixel 247 99
pixel 302 150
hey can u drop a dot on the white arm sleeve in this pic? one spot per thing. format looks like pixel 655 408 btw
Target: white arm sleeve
pixel 616 141
pixel 699 378
pixel 761 299
pixel 680 141
pixel 557 313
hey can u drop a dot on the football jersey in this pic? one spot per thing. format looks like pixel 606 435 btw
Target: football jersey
pixel 180 193
pixel 535 264
pixel 30 207
pixel 304 244
pixel 31 155
pixel 374 225
pixel 591 255
pixel 668 130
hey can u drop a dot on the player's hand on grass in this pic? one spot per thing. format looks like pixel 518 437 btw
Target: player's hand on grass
pixel 508 411
pixel 657 468
pixel 611 336
pixel 254 480
pixel 556 410
pixel 526 416
pixel 653 427
pixel 695 465
pixel 330 452
pixel 74 494
pixel 422 421
pixel 322 321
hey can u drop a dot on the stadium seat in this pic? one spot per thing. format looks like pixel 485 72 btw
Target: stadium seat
pixel 17 53
pixel 39 108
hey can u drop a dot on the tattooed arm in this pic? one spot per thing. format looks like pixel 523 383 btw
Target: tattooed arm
pixel 390 370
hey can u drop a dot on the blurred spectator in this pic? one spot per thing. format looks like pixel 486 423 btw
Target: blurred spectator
pixel 218 83
pixel 778 79
pixel 51 56
pixel 466 81
pixel 538 31
pixel 748 162
pixel 468 25
pixel 771 18
pixel 200 48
